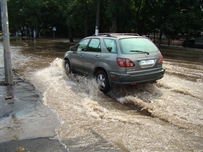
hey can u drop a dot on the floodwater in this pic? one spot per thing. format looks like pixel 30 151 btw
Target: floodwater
pixel 166 116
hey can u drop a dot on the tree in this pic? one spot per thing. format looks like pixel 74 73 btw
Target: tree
pixel 76 18
pixel 186 18
pixel 34 14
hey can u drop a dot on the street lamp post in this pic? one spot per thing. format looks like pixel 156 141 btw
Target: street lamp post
pixel 6 43
pixel 97 18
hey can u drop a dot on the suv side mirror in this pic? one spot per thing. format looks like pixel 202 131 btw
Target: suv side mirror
pixel 72 48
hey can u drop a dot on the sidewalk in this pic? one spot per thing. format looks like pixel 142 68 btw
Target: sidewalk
pixel 25 123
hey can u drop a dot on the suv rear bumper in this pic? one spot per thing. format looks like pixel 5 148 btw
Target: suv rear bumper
pixel 137 77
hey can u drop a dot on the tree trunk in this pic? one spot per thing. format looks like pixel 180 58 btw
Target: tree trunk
pixel 27 32
pixel 38 30
pixel 86 21
pixel 160 37
pixel 70 34
pixel 169 41
pixel 114 25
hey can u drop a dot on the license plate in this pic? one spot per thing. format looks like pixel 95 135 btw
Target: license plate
pixel 146 62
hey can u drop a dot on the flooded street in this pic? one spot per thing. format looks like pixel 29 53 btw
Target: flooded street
pixel 166 116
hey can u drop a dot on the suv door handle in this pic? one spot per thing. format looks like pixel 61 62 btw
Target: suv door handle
pixel 96 56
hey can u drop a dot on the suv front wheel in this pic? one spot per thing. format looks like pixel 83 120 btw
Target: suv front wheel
pixel 102 80
pixel 67 67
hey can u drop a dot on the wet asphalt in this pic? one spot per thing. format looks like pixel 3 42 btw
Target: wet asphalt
pixel 33 134
pixel 16 100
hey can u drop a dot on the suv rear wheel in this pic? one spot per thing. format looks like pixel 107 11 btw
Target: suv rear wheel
pixel 103 81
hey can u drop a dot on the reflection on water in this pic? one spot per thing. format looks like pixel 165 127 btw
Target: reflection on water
pixel 88 117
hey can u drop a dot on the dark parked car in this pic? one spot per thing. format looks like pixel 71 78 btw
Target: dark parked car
pixel 189 43
pixel 194 43
pixel 116 59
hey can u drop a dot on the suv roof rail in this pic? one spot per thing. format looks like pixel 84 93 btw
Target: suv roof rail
pixel 114 34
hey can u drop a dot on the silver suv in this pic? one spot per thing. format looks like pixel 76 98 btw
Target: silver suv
pixel 116 59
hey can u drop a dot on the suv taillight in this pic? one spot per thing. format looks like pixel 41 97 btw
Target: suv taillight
pixel 123 62
pixel 161 59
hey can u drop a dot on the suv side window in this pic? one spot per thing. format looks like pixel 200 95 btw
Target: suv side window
pixel 94 46
pixel 110 45
pixel 81 46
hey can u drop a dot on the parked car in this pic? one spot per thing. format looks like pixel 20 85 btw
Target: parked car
pixel 194 43
pixel 116 59
pixel 189 43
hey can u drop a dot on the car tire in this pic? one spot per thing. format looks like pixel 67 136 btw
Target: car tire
pixel 102 80
pixel 67 67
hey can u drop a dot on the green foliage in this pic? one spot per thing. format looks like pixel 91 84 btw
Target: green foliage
pixel 186 18
pixel 172 17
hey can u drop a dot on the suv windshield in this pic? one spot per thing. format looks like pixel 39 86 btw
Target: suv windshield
pixel 137 45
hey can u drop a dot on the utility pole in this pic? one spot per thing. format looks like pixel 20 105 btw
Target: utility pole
pixel 6 43
pixel 97 18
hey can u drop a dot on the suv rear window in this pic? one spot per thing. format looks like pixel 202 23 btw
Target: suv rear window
pixel 136 45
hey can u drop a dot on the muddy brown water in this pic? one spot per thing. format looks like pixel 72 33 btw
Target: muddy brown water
pixel 166 116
